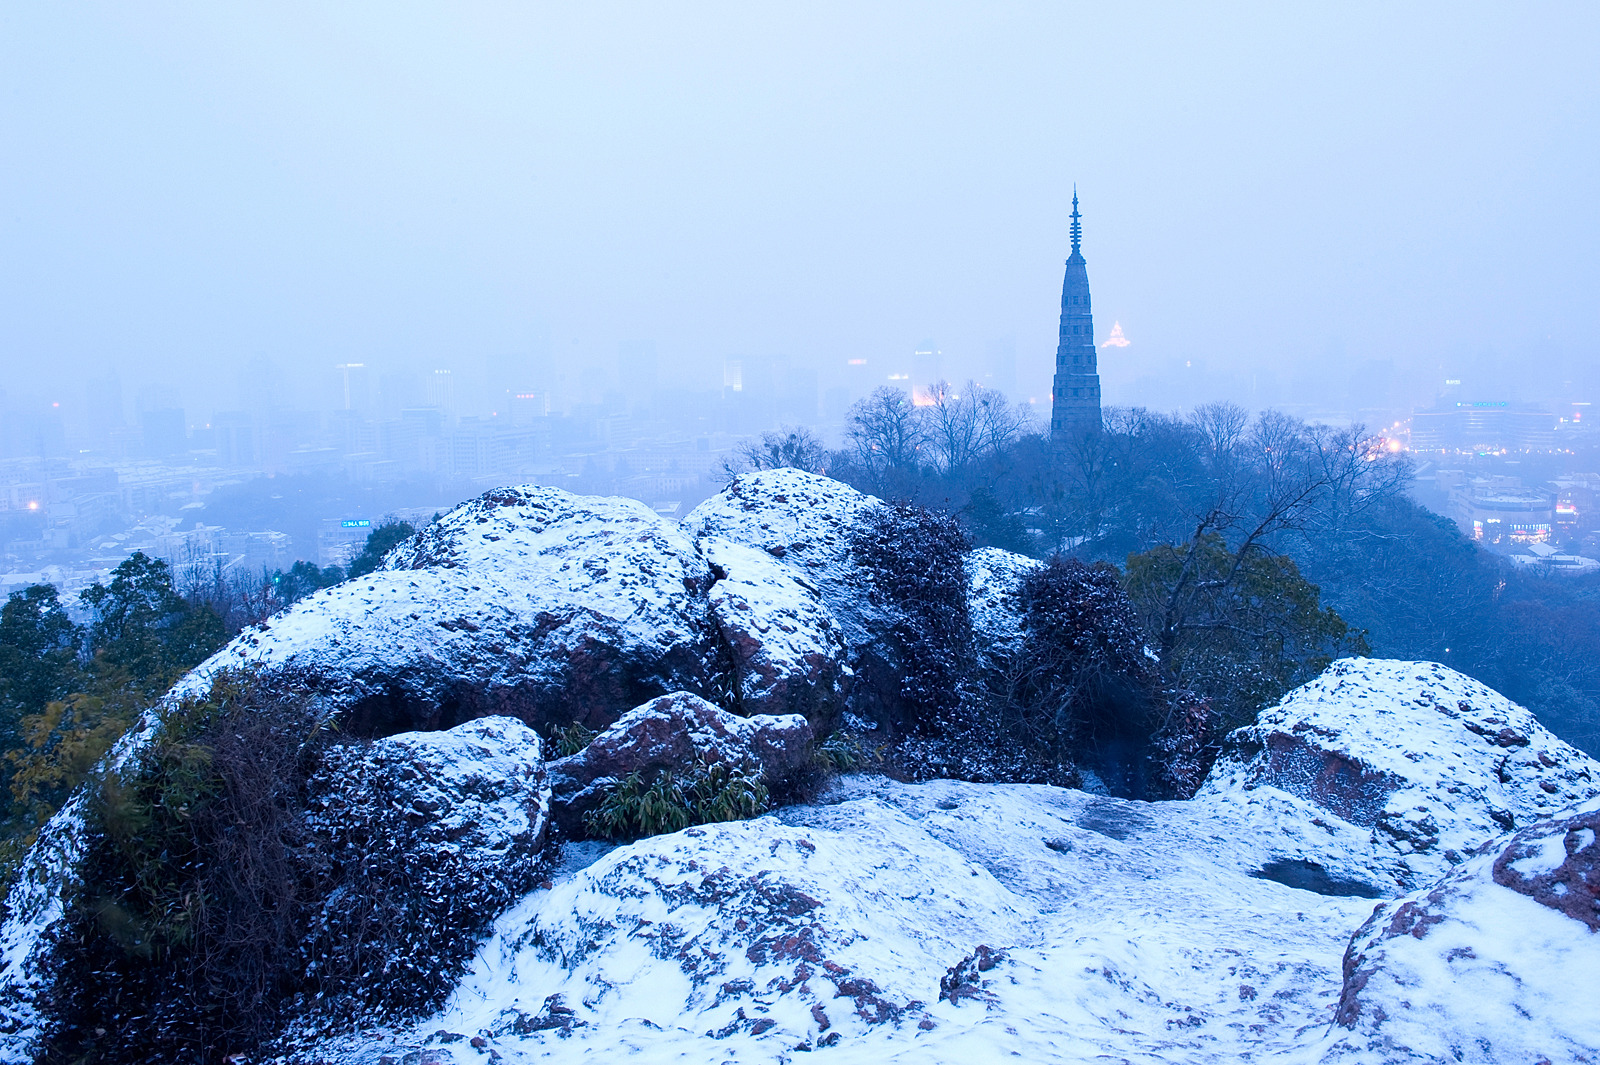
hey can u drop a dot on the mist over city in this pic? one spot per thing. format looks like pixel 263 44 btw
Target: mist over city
pixel 597 250
pixel 1123 416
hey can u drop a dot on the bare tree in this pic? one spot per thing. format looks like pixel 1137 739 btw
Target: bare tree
pixel 240 597
pixel 792 447
pixel 974 423
pixel 886 433
pixel 1001 422
pixel 952 425
pixel 1222 426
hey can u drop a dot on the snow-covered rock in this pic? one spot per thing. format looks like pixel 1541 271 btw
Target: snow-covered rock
pixel 963 922
pixel 1429 761
pixel 808 523
pixel 526 601
pixel 948 921
pixel 934 922
pixel 455 820
pixel 1498 962
pixel 477 792
pixel 681 733
pixel 994 599
pixel 951 921
pixel 785 651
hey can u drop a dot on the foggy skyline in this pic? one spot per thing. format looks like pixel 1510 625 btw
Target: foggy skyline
pixel 1266 191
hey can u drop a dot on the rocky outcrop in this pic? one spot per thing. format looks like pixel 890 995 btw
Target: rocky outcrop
pixel 808 524
pixel 682 734
pixel 994 598
pixel 403 851
pixel 1430 762
pixel 784 651
pixel 1495 963
pixel 1557 864
pixel 476 794
pixel 528 602
pixel 423 838
pixel 754 935
pixel 940 922
pixel 891 577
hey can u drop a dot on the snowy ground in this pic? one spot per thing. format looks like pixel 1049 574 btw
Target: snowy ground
pixel 947 922
pixel 1132 932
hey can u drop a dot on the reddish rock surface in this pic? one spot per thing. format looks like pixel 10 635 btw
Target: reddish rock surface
pixel 1496 962
pixel 784 650
pixel 1557 865
pixel 678 733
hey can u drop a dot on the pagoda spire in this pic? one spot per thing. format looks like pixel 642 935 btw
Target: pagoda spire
pixel 1075 392
pixel 1077 224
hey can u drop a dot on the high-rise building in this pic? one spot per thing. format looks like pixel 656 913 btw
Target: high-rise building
pixel 442 394
pixel 927 370
pixel 355 389
pixel 1075 393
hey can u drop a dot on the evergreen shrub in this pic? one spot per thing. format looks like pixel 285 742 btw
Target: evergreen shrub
pixel 712 792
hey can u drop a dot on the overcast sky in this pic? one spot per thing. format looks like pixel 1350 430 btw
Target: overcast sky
pixel 1265 190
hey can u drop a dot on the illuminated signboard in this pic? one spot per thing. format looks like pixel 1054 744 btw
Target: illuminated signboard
pixel 355 523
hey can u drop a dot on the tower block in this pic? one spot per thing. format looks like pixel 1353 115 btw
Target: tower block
pixel 1075 392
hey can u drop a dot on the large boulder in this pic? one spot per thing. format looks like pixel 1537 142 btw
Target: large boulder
pixel 937 922
pixel 683 734
pixel 1430 762
pixel 415 842
pixel 891 578
pixel 529 602
pixel 785 652
pixel 809 524
pixel 737 941
pixel 475 796
pixel 1498 962
pixel 994 600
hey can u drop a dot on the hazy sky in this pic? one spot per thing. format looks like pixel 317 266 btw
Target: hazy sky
pixel 1265 188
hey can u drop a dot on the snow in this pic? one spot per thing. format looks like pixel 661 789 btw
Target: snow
pixel 788 650
pixel 893 922
pixel 528 591
pixel 1130 928
pixel 1125 931
pixel 1429 761
pixel 1470 970
pixel 807 522
pixel 479 788
pixel 994 579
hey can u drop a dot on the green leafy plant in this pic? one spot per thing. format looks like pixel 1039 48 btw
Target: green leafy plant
pixel 843 752
pixel 714 792
pixel 572 739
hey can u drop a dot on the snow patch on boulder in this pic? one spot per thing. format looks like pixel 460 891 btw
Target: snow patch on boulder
pixel 994 598
pixel 743 928
pixel 477 791
pixel 808 523
pixel 1431 762
pixel 526 601
pixel 786 651
pixel 934 922
pixel 1498 962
